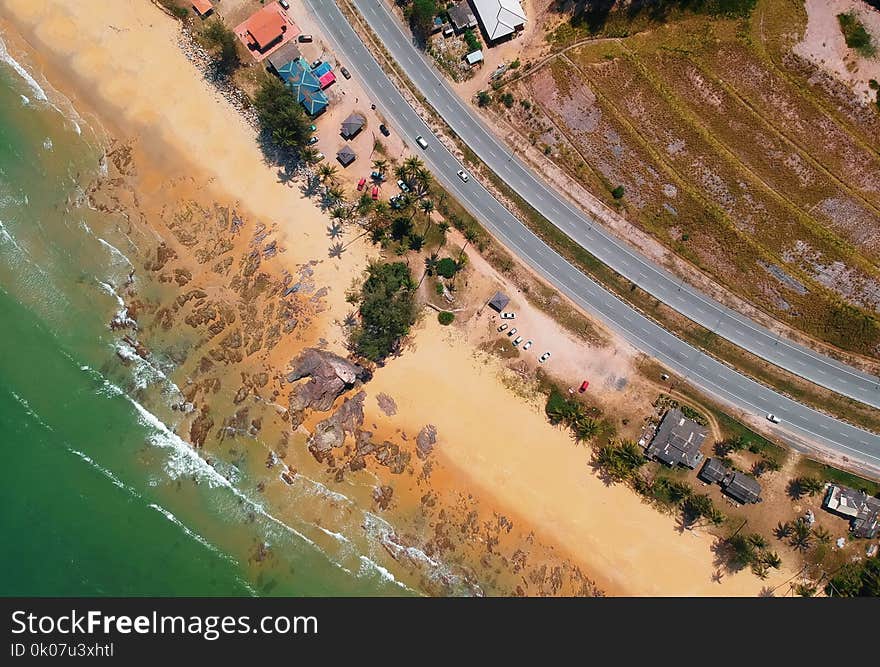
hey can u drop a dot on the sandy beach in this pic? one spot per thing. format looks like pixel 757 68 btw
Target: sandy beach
pixel 120 63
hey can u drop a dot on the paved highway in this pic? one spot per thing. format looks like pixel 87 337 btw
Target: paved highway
pixel 800 426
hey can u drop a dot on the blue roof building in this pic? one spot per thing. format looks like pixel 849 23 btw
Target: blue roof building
pixel 305 85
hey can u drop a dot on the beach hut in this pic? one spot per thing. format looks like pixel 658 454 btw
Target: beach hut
pixel 352 125
pixel 346 156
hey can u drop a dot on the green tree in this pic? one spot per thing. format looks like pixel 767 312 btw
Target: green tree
pixel 447 267
pixel 221 43
pixel 484 99
pixel 618 192
pixel 387 308
pixel 281 117
pixel 421 18
pixel 445 318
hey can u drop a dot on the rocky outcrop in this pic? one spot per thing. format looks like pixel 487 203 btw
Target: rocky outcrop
pixel 426 440
pixel 329 374
pixel 330 433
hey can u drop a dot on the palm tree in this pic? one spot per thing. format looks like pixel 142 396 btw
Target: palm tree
pixel 422 179
pixel 802 536
pixel 427 207
pixel 470 236
pixel 783 529
pixel 430 266
pixel 339 213
pixel 443 226
pixel 401 173
pixel 380 166
pixel 327 173
pixel 822 535
pixel 411 166
pixel 335 194
pixel 336 250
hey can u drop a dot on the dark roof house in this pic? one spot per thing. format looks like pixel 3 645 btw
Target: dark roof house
pixel 499 301
pixel 713 471
pixel 352 125
pixel 862 510
pixel 346 156
pixel 677 440
pixel 462 16
pixel 742 488
pixel 285 54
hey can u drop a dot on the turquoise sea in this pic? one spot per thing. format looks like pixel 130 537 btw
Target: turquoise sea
pixel 98 495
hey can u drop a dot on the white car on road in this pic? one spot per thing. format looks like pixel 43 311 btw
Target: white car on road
pixel 462 174
pixel 773 418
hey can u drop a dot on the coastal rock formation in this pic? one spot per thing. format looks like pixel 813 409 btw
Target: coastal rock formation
pixel 331 432
pixel 426 440
pixel 330 376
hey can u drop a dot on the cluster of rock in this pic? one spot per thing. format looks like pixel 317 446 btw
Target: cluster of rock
pixel 203 61
pixel 329 376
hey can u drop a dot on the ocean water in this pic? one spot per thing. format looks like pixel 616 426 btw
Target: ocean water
pixel 98 494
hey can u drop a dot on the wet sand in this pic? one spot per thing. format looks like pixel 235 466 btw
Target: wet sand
pixel 491 444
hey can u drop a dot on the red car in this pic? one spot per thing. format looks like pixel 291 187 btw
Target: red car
pixel 361 184
pixel 584 385
pixel 375 194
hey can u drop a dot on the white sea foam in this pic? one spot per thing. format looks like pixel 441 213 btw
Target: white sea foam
pixel 191 533
pixel 47 144
pixel 368 566
pixel 107 473
pixel 6 236
pixel 39 93
pixel 30 412
pixel 115 252
pixel 25 100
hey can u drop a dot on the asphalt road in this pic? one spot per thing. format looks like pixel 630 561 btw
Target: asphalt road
pixel 801 426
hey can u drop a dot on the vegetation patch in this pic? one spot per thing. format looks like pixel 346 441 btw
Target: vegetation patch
pixel 387 308
pixel 856 36
pixel 445 317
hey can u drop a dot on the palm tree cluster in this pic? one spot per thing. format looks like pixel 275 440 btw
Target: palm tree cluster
pixel 801 534
pixel 753 551
pixel 414 173
pixel 573 414
pixel 620 461
pixel 805 485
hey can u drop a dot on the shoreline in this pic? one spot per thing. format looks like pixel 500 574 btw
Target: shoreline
pixel 238 174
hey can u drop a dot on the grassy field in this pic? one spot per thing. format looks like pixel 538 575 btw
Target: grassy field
pixel 726 148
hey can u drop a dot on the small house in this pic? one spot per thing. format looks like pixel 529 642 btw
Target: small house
pixel 677 440
pixel 462 16
pixel 352 125
pixel 742 487
pixel 713 471
pixel 474 57
pixel 862 510
pixel 282 56
pixel 203 8
pixel 499 302
pixel 500 18
pixel 346 156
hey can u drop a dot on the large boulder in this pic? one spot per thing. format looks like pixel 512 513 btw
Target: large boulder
pixel 329 374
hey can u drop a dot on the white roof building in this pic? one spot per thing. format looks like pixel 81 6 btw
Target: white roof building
pixel 474 57
pixel 500 18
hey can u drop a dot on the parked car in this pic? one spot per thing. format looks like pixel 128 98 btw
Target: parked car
pixel 544 357
pixel 313 128
pixel 403 186
pixel 773 418
pixel 361 184
pixel 502 327
pixel 584 385
pixel 420 140
pixel 384 130
pixel 345 72
pixel 664 376
pixel 375 193
pixel 284 4
pixel 319 156
pixel 377 176
pixel 305 38
pixel 395 202
pixel 512 332
pixel 527 345
pixel 507 315
pixel 313 140
pixel 316 64
pixel 463 175
pixel 517 340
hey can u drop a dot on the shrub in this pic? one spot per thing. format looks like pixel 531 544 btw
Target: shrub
pixel 445 318
pixel 222 42
pixel 484 99
pixel 447 267
pixel 515 64
pixel 618 192
pixel 855 35
pixel 472 41
pixel 506 99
